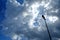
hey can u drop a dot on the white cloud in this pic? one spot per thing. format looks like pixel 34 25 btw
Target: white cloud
pixel 53 19
pixel 55 11
pixel 34 12
pixel 25 14
pixel 15 37
pixel 15 2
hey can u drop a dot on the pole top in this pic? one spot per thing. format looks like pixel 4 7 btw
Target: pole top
pixel 43 17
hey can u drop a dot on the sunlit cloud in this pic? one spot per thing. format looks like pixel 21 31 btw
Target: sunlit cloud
pixel 53 19
pixel 25 14
pixel 15 37
pixel 19 37
pixel 33 9
pixel 55 11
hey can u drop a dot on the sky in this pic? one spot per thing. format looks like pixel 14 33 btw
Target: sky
pixel 22 19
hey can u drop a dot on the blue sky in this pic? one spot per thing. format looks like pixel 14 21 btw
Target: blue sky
pixel 22 19
pixel 2 17
pixel 4 37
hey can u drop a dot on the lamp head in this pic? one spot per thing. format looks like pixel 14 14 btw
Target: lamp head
pixel 43 17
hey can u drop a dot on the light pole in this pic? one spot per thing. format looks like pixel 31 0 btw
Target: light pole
pixel 47 27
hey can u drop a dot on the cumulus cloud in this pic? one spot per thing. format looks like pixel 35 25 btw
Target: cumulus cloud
pixel 25 22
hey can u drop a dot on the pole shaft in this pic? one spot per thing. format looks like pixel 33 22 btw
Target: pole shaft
pixel 48 31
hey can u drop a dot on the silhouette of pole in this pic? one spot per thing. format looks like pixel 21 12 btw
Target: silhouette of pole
pixel 47 27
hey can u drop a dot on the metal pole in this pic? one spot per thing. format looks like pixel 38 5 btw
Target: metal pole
pixel 47 27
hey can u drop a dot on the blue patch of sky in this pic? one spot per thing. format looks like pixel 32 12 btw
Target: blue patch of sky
pixel 2 9
pixel 21 1
pixel 2 17
pixel 4 37
pixel 36 23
